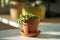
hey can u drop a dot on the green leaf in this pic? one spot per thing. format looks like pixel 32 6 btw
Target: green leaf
pixel 25 17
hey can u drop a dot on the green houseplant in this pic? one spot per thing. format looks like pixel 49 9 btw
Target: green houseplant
pixel 37 7
pixel 30 23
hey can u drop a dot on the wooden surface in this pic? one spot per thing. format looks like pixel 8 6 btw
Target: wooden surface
pixel 6 27
pixel 47 20
pixel 51 20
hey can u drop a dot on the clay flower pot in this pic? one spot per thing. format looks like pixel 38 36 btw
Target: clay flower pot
pixel 16 9
pixel 31 26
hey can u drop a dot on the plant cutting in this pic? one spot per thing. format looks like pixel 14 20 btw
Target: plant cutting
pixel 30 24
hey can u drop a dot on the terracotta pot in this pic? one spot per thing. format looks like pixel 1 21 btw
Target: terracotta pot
pixel 14 13
pixel 16 9
pixel 31 26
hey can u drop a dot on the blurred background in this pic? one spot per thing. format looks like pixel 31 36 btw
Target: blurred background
pixel 52 6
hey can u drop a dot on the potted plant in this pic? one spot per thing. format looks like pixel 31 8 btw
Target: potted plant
pixel 16 8
pixel 37 7
pixel 30 24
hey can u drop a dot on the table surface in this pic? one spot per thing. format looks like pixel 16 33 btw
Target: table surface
pixel 49 30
